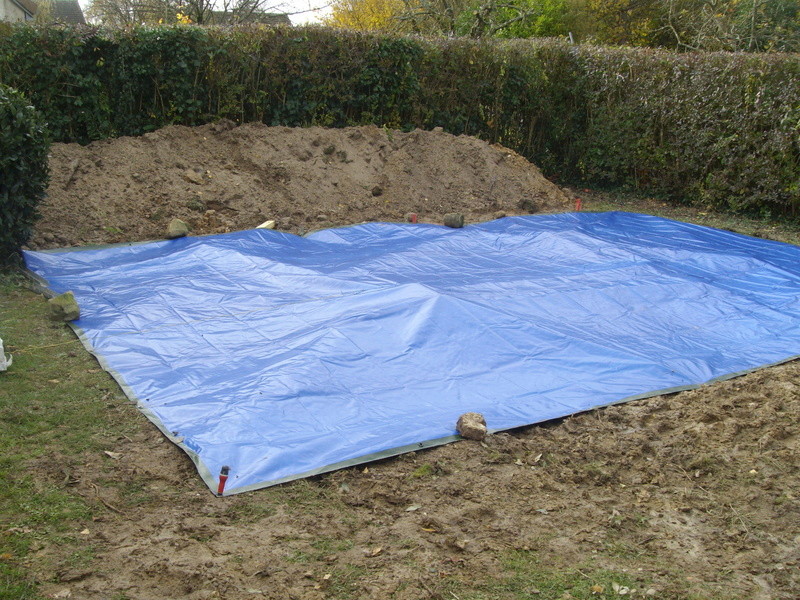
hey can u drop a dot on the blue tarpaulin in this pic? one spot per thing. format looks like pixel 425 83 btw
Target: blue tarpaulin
pixel 283 356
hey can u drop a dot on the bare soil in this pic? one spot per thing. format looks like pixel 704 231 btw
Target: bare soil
pixel 221 178
pixel 693 495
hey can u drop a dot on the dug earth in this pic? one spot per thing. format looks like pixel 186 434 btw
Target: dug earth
pixel 220 177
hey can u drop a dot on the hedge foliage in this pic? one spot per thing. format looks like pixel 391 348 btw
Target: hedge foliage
pixel 23 169
pixel 718 129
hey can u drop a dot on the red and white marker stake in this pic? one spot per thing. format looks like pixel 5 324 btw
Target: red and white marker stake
pixel 223 477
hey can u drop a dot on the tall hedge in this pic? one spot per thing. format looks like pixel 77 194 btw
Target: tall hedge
pixel 716 129
pixel 23 170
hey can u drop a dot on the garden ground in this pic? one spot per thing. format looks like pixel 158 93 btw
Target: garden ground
pixel 688 495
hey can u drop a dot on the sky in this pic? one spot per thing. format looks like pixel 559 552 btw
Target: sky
pixel 300 11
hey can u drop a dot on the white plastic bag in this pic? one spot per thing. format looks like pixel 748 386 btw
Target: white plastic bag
pixel 5 361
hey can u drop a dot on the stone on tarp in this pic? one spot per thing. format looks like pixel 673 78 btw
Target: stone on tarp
pixel 472 426
pixel 64 307
pixel 455 220
pixel 177 229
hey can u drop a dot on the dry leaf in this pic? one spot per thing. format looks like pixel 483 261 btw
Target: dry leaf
pixel 598 589
pixel 376 551
pixel 114 455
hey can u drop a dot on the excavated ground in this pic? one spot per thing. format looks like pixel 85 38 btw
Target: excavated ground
pixel 691 495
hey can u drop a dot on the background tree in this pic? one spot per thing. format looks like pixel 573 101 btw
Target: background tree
pixel 132 12
pixel 367 15
pixel 200 12
pixel 683 25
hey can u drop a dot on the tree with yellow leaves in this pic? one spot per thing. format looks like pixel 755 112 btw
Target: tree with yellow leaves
pixel 367 15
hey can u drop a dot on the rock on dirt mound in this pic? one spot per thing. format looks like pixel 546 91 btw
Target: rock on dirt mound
pixel 220 178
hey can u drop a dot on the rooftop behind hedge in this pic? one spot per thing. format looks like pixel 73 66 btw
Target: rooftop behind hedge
pixel 714 128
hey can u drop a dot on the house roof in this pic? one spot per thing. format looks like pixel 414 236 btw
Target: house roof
pixel 67 11
pixel 27 5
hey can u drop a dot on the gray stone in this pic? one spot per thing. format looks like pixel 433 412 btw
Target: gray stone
pixel 455 220
pixel 193 176
pixel 64 307
pixel 177 229
pixel 472 426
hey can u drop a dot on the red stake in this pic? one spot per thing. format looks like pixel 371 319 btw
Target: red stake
pixel 413 217
pixel 223 477
pixel 578 204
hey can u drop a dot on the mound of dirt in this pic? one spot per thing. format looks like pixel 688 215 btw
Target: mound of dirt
pixel 221 178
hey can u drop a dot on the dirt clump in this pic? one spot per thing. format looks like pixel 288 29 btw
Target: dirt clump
pixel 220 178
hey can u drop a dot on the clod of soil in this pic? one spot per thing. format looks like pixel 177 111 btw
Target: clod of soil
pixel 225 178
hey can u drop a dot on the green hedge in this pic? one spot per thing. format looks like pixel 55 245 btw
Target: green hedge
pixel 23 170
pixel 718 129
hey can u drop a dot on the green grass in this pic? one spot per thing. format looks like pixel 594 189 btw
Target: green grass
pixel 766 227
pixel 54 408
pixel 525 577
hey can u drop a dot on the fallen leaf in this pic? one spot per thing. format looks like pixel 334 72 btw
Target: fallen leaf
pixel 413 507
pixel 6 556
pixel 62 594
pixel 518 462
pixel 85 532
pixel 598 589
pixel 376 551
pixel 538 457
pixel 114 455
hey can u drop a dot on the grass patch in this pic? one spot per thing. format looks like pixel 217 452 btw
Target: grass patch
pixel 56 406
pixel 348 582
pixel 249 510
pixel 15 585
pixel 765 227
pixel 525 578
